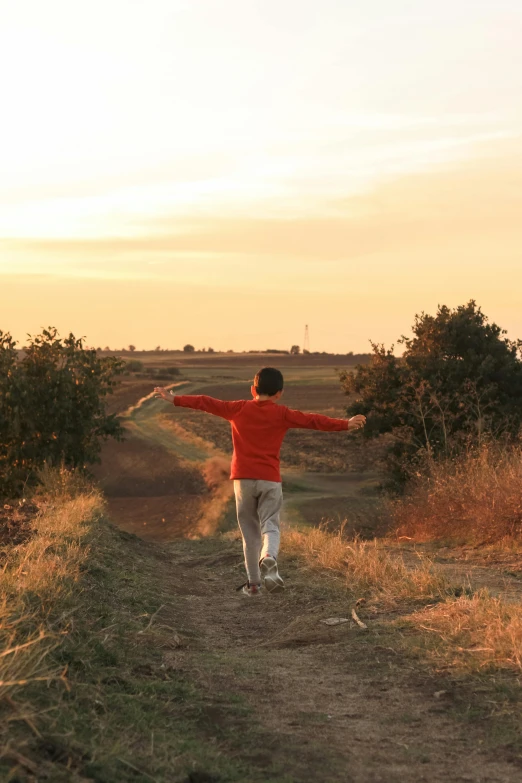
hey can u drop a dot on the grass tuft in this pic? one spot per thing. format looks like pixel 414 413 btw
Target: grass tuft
pixel 39 576
pixel 477 633
pixel 365 566
pixel 471 633
pixel 473 500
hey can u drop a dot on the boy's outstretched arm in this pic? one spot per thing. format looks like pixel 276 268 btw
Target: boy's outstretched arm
pixel 202 402
pixel 316 421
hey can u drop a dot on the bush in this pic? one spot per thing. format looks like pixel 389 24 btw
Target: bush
pixel 458 384
pixel 51 407
pixel 475 499
pixel 164 373
pixel 134 365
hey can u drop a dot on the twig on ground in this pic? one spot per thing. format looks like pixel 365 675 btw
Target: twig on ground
pixel 18 647
pixel 358 620
pixel 144 630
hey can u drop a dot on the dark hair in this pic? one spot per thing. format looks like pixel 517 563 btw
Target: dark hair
pixel 268 381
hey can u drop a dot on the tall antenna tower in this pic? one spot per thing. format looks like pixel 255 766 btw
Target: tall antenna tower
pixel 306 343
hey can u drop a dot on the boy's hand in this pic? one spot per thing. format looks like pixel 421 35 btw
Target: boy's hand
pixel 164 394
pixel 356 422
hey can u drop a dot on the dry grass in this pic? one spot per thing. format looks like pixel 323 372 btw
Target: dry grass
pixel 365 566
pixel 38 574
pixel 91 687
pixel 476 500
pixel 168 423
pixel 216 472
pixel 62 484
pixel 470 633
pixel 474 633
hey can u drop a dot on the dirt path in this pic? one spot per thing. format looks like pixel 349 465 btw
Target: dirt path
pixel 331 703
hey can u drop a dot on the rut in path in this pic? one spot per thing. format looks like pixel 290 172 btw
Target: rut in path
pixel 333 705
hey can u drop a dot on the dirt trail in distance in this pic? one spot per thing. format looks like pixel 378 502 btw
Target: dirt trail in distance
pixel 153 481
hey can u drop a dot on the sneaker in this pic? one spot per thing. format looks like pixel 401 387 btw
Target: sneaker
pixel 270 575
pixel 250 590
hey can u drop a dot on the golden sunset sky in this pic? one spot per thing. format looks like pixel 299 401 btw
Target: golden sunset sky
pixel 222 172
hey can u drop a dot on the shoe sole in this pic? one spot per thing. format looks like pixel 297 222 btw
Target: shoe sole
pixel 270 575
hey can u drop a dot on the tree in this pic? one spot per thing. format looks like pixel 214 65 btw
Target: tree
pixel 132 348
pixel 51 406
pixel 189 348
pixel 295 349
pixel 210 350
pixel 458 382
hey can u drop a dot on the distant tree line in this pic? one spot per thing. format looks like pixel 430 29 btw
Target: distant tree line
pixel 138 368
pixel 294 350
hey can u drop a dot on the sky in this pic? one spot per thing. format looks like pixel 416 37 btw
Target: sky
pixel 223 172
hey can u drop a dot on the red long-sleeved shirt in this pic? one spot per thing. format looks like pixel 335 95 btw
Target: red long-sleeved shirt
pixel 258 429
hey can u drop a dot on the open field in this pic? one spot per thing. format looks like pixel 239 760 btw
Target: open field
pixel 302 450
pixel 308 459
pixel 148 491
pixel 233 362
pixel 184 681
pixel 144 478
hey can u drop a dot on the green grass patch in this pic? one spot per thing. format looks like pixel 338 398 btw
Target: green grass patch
pixel 104 698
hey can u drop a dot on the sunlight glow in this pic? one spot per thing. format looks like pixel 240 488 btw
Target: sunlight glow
pixel 217 143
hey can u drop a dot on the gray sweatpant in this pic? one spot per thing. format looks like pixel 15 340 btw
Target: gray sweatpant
pixel 258 505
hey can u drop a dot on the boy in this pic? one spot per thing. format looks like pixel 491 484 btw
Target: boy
pixel 258 428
